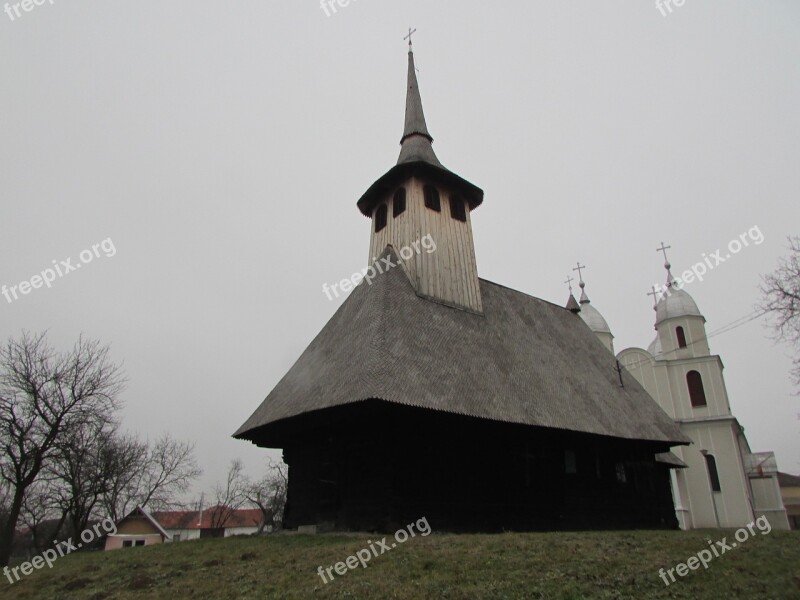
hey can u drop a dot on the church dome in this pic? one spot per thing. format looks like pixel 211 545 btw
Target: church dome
pixel 655 347
pixel 592 317
pixel 676 303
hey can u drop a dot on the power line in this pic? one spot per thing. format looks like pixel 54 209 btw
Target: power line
pixel 724 329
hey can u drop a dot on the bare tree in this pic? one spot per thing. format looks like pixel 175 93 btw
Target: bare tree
pixel 149 476
pixel 82 470
pixel 171 468
pixel 5 499
pixel 268 494
pixel 230 497
pixel 127 458
pixel 40 514
pixel 44 396
pixel 781 300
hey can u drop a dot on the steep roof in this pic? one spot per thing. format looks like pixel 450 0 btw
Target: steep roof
pixel 524 361
pixel 415 145
pixel 148 517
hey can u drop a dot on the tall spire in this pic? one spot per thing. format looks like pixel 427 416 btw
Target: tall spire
pixel 417 157
pixel 416 141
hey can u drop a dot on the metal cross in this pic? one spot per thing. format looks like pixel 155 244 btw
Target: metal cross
pixel 654 294
pixel 664 250
pixel 578 269
pixel 408 37
pixel 569 283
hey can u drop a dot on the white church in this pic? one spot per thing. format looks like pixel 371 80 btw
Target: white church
pixel 717 481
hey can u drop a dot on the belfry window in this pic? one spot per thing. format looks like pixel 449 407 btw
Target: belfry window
pixel 399 202
pixel 713 475
pixel 697 394
pixel 681 337
pixel 432 198
pixel 380 217
pixel 457 210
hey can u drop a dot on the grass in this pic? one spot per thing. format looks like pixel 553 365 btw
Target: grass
pixel 552 566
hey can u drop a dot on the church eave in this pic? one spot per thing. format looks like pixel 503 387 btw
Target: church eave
pixel 384 186
pixel 283 432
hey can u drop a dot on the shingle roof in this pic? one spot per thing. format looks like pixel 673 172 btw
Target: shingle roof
pixel 415 124
pixel 524 361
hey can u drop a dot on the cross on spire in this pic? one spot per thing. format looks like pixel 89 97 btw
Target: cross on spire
pixel 667 265
pixel 578 269
pixel 569 283
pixel 408 37
pixel 664 250
pixel 654 293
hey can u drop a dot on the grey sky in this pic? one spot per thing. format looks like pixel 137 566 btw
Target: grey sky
pixel 222 147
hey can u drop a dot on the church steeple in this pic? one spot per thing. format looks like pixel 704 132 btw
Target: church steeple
pixel 419 197
pixel 416 141
pixel 679 323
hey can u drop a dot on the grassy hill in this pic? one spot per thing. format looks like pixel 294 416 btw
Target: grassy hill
pixel 557 566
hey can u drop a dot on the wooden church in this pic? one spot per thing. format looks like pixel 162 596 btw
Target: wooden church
pixel 432 392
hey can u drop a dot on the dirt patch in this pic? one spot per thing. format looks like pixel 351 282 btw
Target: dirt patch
pixel 77 584
pixel 212 563
pixel 140 582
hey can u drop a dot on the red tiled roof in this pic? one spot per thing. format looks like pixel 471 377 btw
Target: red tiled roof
pixel 188 519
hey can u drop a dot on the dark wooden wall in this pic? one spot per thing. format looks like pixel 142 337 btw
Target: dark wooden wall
pixel 375 466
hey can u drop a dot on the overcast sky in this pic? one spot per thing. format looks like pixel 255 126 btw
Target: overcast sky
pixel 222 146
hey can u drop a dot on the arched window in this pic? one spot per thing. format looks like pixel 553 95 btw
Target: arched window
pixel 681 337
pixel 697 394
pixel 432 198
pixel 713 475
pixel 457 210
pixel 380 217
pixel 399 202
